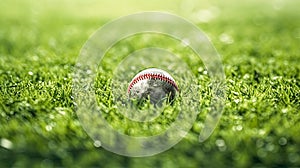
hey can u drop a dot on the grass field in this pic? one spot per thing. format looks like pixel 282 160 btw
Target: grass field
pixel 259 44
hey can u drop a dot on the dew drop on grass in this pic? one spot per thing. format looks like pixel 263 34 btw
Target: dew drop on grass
pixel 261 152
pixel 97 143
pixel 270 147
pixel 206 15
pixel 30 73
pixel 246 76
pixel 285 110
pixel 89 72
pixel 200 69
pixel 293 157
pixel 221 144
pixel 239 128
pixel 235 93
pixel 226 38
pixel 48 127
pixel 231 81
pixel 236 101
pixel 51 116
pixel 277 78
pixel 61 110
pixel 5 143
pixel 282 141
pixel 261 132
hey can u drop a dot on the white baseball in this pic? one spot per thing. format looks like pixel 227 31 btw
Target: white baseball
pixel 153 83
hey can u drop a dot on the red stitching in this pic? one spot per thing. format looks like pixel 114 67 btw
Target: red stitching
pixel 152 76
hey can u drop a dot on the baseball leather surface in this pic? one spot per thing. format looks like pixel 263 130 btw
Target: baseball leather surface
pixel 156 84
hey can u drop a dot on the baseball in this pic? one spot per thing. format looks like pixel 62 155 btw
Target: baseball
pixel 154 84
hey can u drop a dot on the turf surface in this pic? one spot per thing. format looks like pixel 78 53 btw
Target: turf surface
pixel 259 45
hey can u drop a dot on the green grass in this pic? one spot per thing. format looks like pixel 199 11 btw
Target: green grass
pixel 259 45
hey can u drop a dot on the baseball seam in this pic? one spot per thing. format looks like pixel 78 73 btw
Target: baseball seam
pixel 152 76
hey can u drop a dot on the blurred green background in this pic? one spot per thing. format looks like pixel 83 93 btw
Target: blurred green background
pixel 259 44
